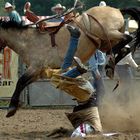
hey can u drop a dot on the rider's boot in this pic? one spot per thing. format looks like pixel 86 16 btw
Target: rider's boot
pixel 80 66
pixel 76 71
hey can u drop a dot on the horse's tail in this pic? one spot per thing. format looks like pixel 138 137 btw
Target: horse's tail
pixel 134 13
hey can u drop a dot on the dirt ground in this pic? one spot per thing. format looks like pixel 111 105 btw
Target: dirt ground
pixel 37 124
pixel 33 124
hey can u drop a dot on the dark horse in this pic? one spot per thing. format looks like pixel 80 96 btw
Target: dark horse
pixel 35 48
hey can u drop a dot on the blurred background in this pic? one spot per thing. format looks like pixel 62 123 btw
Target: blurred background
pixel 42 7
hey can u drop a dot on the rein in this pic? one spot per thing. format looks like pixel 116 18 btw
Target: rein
pixel 57 16
pixel 103 29
pixel 93 38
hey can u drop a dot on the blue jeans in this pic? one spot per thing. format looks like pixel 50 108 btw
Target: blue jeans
pixel 73 73
pixel 70 53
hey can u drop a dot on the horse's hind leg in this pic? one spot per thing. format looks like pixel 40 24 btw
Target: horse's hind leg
pixel 26 79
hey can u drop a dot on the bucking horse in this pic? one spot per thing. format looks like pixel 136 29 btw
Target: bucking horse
pixel 101 28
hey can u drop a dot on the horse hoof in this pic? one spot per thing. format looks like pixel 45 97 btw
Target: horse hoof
pixel 11 111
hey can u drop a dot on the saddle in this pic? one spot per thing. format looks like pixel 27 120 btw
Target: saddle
pixel 46 26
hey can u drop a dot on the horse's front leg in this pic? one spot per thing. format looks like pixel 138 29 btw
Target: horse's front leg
pixel 27 78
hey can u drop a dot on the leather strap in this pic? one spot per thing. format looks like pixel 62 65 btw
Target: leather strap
pixel 53 39
pixel 91 36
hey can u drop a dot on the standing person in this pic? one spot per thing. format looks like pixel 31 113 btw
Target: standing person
pixel 124 72
pixel 12 13
pixel 96 64
pixel 58 9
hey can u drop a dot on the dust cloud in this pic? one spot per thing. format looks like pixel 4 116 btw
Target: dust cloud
pixel 121 116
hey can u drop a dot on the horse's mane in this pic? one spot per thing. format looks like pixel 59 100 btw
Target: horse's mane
pixel 12 24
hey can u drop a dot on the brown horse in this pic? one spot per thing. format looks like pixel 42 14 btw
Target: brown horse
pixel 101 26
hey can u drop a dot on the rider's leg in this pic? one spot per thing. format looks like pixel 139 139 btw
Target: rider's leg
pixel 75 34
pixel 69 57
pixel 80 69
pixel 76 71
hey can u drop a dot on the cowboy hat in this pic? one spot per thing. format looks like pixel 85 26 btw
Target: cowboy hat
pixel 102 3
pixel 8 5
pixel 58 6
